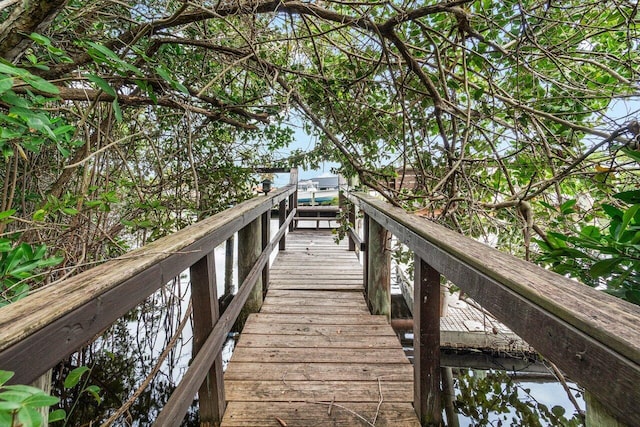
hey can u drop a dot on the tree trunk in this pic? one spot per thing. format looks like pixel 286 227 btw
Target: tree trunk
pixel 28 16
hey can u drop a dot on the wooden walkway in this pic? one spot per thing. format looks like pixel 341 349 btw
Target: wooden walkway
pixel 314 356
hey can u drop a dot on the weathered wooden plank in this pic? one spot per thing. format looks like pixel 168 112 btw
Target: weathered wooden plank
pixel 426 343
pixel 314 309
pixel 301 319
pixel 333 295
pixel 174 410
pixel 326 286
pixel 317 282
pixel 319 355
pixel 63 317
pixel 205 315
pixel 354 300
pixel 319 371
pixel 312 329
pixel 379 270
pixel 600 334
pixel 349 391
pixel 280 273
pixel 317 341
pixel 304 414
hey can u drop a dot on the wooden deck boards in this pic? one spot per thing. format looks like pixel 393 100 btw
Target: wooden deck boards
pixel 314 356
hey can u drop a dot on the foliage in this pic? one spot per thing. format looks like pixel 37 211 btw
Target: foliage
pixel 605 255
pixel 496 399
pixel 19 264
pixel 20 404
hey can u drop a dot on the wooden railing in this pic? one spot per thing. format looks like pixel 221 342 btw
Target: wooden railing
pixel 39 331
pixel 592 337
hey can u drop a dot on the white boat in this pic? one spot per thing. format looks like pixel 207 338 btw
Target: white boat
pixel 311 192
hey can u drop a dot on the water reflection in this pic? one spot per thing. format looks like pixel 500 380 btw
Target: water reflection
pixel 126 355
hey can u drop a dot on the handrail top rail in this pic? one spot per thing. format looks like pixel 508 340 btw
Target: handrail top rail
pixel 26 316
pixel 607 319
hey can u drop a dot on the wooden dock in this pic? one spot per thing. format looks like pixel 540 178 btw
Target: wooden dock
pixel 314 355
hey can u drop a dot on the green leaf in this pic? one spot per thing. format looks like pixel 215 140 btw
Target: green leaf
pixel 57 415
pixel 116 110
pixel 74 376
pixel 11 70
pixel 612 211
pixel 102 84
pixel 14 396
pixel 604 267
pixel 6 83
pixel 7 214
pixel 9 406
pixel 41 84
pixel 40 400
pixel 635 155
pixel 627 217
pixel 93 390
pixel 105 51
pixel 5 376
pixel 632 197
pixel 40 39
pixel 558 411
pixel 567 207
pixel 590 232
pixel 39 215
pixel 30 417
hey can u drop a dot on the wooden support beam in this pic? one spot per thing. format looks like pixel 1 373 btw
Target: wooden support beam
pixel 228 265
pixel 293 198
pixel 205 315
pixel 249 249
pixel 426 343
pixel 365 258
pixel 379 270
pixel 597 414
pixel 266 236
pixel 282 216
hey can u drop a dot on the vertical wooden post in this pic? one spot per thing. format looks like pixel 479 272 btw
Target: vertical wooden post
pixel 205 315
pixel 597 414
pixel 379 270
pixel 44 383
pixel 228 265
pixel 293 199
pixel 365 257
pixel 348 210
pixel 249 248
pixel 426 344
pixel 266 237
pixel 449 395
pixel 282 216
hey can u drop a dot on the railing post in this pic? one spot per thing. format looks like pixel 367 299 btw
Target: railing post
pixel 379 270
pixel 266 237
pixel 426 344
pixel 365 257
pixel 282 217
pixel 249 249
pixel 293 199
pixel 348 209
pixel 205 315
pixel 228 265
pixel 597 414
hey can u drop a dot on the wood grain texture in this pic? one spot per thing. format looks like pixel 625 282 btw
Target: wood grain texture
pixel 593 337
pixel 62 317
pixel 314 340
pixel 304 414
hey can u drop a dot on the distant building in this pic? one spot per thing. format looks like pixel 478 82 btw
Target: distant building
pixel 405 179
